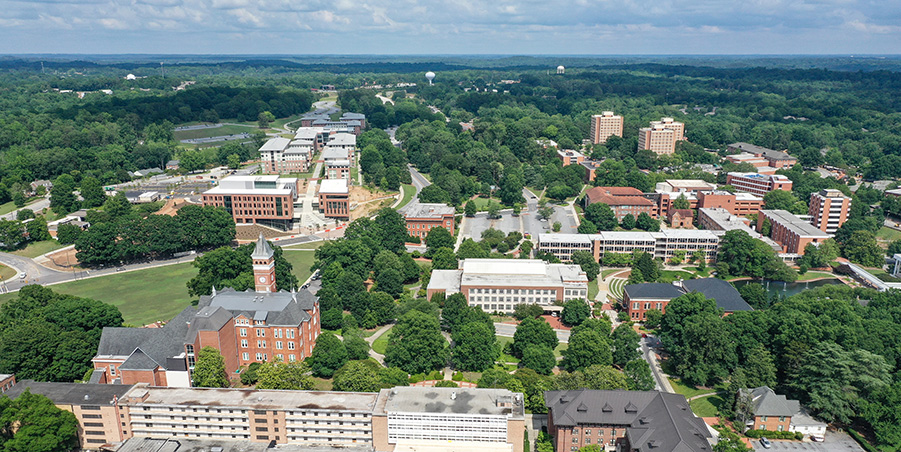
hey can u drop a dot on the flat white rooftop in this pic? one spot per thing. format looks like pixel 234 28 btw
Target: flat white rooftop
pixel 275 144
pixel 333 186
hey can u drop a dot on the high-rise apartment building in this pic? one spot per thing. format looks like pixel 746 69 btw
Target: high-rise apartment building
pixel 604 126
pixel 829 210
pixel 662 136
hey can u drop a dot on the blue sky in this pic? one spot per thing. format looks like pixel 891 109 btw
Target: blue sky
pixel 451 26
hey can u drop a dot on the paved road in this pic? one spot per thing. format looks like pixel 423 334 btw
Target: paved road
pixel 36 207
pixel 507 330
pixel 660 381
pixel 419 181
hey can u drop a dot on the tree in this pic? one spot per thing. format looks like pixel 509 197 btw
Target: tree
pixel 190 161
pixel 416 344
pixel 681 202
pixel 444 259
pixel 539 358
pixel 625 344
pixel 494 210
pixel 652 318
pixel 475 347
pixel 575 311
pixel 533 332
pixel 524 311
pixel 755 295
pixel 250 376
pixel 469 249
pixel 331 319
pixel 601 215
pixel 66 234
pixel 628 222
pixel 603 377
pixel 638 373
pixel 586 348
pixel 208 227
pixel 19 198
pixel 390 281
pixel 92 193
pixel 280 375
pixel 883 412
pixel 470 209
pixel 234 161
pixel 37 229
pixel 861 248
pixel 392 230
pixel 648 267
pixel 24 214
pixel 357 347
pixel 357 376
pixel 779 200
pixel 705 351
pixel 118 206
pixel 454 312
pixel 264 119
pixel 730 444
pixel 585 260
pixel 760 368
pixel 546 212
pixel 438 238
pixel 62 200
pixel 328 355
pixel 381 305
pixel 587 227
pixel 392 376
pixel 209 369
pixel 646 223
pixel 742 255
pixel 33 423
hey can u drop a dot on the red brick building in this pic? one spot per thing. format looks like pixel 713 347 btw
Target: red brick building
pixel 570 157
pixel 829 209
pixel 421 218
pixel 334 198
pixel 758 184
pixel 791 232
pixel 641 298
pixel 267 200
pixel 735 203
pixel 246 327
pixel 622 200
pixel 681 218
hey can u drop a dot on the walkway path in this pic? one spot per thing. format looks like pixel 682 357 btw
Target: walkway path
pixel 307 217
pixel 372 353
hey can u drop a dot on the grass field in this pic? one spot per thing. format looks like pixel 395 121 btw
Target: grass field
pixel 668 276
pixel 688 391
pixel 305 246
pixel 482 203
pixel 889 234
pixel 301 260
pixel 381 343
pixel 610 271
pixel 36 249
pixel 409 191
pixel 6 272
pixel 143 296
pixel 593 289
pixel 616 286
pixel 815 275
pixel 212 132
pixel 707 406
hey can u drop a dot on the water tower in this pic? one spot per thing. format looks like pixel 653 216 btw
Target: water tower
pixel 561 70
pixel 430 76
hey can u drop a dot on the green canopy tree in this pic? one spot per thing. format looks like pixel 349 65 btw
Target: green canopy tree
pixel 575 311
pixel 625 344
pixel 209 369
pixel 32 423
pixel 280 375
pixel 444 259
pixel 585 261
pixel 539 358
pixel 586 348
pixel 357 376
pixel 475 347
pixel 438 238
pixel 416 344
pixel 328 355
pixel 533 331
pixel 638 373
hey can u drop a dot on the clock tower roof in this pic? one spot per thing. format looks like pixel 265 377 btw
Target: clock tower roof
pixel 262 251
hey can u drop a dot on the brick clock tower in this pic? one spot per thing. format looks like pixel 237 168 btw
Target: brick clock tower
pixel 263 266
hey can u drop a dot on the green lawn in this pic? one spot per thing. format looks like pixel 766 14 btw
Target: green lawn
pixel 707 406
pixel 301 259
pixel 6 273
pixel 143 296
pixel 381 343
pixel 815 275
pixel 409 192
pixel 305 246
pixel 593 289
pixel 889 234
pixel 482 203
pixel 36 249
pixel 558 352
pixel 616 287
pixel 688 391
pixel 212 132
pixel 610 271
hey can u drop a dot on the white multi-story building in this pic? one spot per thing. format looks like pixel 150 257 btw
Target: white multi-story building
pixel 605 125
pixel 663 245
pixel 500 286
pixel 410 418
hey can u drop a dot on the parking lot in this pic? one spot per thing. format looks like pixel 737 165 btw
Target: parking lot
pixel 835 442
pixel 528 223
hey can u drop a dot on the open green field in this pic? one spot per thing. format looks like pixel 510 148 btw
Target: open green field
pixel 6 272
pixel 610 271
pixel 301 259
pixel 409 192
pixel 35 249
pixel 212 132
pixel 689 391
pixel 668 276
pixel 707 406
pixel 381 343
pixel 615 287
pixel 593 289
pixel 482 203
pixel 143 296
pixel 815 275
pixel 889 234
pixel 305 246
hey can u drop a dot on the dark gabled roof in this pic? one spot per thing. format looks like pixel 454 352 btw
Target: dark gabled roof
pixel 727 298
pixel 600 407
pixel 282 308
pixel 767 403
pixel 139 361
pixel 70 393
pixel 652 291
pixel 667 425
pixel 147 348
pixel 208 318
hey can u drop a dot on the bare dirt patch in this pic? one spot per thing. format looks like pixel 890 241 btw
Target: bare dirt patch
pixel 363 202
pixel 62 260
pixel 250 232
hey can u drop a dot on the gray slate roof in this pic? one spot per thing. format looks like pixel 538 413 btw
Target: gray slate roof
pixel 727 298
pixel 652 291
pixel 208 318
pixel 147 348
pixel 283 308
pixel 655 421
pixel 70 393
pixel 767 403
pixel 262 250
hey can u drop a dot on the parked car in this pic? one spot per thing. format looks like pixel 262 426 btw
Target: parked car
pixel 765 443
pixel 22 275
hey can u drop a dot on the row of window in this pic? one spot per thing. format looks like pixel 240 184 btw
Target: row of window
pixel 514 291
pixel 263 357
pixel 262 344
pixel 261 332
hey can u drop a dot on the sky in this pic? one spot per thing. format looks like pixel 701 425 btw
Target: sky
pixel 591 27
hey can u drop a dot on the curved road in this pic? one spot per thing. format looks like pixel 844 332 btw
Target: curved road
pixel 34 273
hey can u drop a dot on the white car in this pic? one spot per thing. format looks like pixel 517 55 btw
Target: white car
pixel 22 275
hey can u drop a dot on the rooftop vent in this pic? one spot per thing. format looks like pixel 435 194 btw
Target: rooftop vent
pixel 87 397
pixel 607 408
pixel 653 443
pixel 630 408
pixel 454 395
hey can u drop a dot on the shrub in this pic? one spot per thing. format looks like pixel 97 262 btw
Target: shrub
pixel 416 378
pixel 416 254
pixel 435 375
pixel 773 434
pixel 446 384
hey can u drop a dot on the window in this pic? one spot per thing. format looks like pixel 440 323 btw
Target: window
pixel 290 345
pixel 762 418
pixel 259 356
pixel 781 427
pixel 278 345
pixel 261 332
pixel 243 332
pixel 575 440
pixel 292 358
pixel 781 418
pixel 245 356
pixel 243 343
